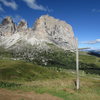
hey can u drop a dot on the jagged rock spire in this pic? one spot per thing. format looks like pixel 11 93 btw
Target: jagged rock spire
pixel 47 30
pixel 7 27
pixel 7 20
pixel 22 25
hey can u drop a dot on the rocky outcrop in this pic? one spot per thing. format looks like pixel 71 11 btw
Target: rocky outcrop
pixel 55 31
pixel 22 25
pixel 7 27
pixel 45 30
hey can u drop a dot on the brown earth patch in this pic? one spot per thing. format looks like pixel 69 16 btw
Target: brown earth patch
pixel 20 95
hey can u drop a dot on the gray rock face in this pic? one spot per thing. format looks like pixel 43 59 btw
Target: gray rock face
pixel 54 30
pixel 7 28
pixel 22 25
pixel 46 30
pixel 7 20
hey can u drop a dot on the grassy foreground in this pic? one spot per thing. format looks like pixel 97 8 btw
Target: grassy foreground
pixel 20 75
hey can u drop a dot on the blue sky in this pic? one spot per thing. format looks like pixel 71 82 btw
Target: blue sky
pixel 83 15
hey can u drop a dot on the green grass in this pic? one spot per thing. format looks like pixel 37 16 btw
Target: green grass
pixel 63 88
pixel 4 53
pixel 89 89
pixel 87 58
pixel 89 63
pixel 9 85
pixel 21 75
pixel 56 78
pixel 54 57
pixel 24 71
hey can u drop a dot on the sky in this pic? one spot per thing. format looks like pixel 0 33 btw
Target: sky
pixel 82 15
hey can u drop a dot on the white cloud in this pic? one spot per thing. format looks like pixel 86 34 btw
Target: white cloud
pixel 1 9
pixel 32 4
pixel 92 42
pixel 11 4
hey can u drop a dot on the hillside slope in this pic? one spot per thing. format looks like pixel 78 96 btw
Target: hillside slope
pixel 19 75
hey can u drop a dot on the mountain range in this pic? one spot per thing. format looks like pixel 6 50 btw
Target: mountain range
pixel 46 30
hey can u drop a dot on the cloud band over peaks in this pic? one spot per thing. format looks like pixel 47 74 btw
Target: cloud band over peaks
pixel 92 42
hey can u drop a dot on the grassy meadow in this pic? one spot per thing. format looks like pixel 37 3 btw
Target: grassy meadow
pixel 25 76
pixel 57 78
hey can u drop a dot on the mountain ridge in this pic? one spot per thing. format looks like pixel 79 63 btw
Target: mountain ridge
pixel 46 29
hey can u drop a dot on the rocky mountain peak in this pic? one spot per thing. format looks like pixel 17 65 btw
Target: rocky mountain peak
pixel 46 29
pixel 7 20
pixel 54 30
pixel 7 27
pixel 22 25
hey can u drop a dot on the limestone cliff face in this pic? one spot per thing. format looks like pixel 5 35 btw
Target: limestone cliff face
pixel 45 30
pixel 54 30
pixel 22 25
pixel 7 28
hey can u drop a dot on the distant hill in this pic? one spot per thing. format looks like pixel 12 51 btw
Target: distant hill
pixel 95 52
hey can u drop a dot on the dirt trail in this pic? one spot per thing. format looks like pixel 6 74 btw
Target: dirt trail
pixel 20 95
